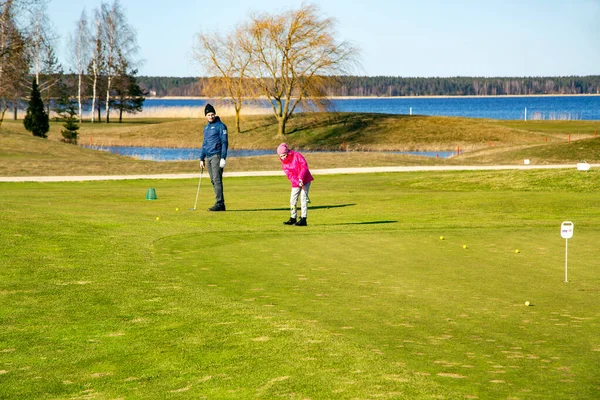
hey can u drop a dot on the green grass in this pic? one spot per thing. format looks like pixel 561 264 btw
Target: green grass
pixel 102 300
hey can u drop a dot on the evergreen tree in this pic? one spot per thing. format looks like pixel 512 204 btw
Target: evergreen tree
pixel 129 96
pixel 70 134
pixel 66 110
pixel 36 120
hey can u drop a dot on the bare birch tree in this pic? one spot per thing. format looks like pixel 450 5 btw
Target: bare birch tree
pixel 38 40
pixel 41 50
pixel 44 64
pixel 295 53
pixel 120 43
pixel 228 59
pixel 97 63
pixel 79 45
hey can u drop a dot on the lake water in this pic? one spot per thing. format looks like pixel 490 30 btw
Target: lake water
pixel 506 108
pixel 171 154
pixel 183 154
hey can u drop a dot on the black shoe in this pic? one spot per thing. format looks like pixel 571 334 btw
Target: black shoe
pixel 301 222
pixel 291 221
pixel 217 207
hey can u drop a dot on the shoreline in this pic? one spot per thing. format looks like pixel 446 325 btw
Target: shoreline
pixel 384 97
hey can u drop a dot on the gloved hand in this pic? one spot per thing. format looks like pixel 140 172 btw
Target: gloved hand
pixel 201 164
pixel 300 183
pixel 222 163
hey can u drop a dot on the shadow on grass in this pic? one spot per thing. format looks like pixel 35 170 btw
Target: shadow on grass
pixel 366 223
pixel 287 208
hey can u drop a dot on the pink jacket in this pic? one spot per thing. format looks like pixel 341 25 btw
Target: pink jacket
pixel 296 168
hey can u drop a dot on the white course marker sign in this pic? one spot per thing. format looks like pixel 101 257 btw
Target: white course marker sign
pixel 566 231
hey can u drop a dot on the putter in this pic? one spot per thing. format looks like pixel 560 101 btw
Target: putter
pixel 306 193
pixel 307 198
pixel 198 191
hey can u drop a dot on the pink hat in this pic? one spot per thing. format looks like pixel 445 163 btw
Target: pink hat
pixel 283 149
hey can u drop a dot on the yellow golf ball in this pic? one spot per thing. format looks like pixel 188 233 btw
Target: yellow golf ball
pixel 527 303
pixel 177 209
pixel 157 218
pixel 517 251
pixel 441 238
pixel 464 246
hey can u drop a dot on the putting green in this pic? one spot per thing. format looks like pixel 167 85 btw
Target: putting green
pixel 454 316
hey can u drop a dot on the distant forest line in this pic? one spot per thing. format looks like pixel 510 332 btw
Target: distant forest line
pixel 380 86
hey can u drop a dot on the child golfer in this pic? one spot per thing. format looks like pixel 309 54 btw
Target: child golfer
pixel 296 169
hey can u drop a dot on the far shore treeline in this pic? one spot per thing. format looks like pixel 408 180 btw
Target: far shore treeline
pixel 378 86
pixel 292 58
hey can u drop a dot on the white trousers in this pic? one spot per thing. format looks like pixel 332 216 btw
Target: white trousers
pixel 301 192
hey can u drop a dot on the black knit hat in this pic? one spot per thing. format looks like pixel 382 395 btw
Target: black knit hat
pixel 209 109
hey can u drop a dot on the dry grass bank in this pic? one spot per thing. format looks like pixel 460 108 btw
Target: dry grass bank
pixel 363 136
pixel 322 131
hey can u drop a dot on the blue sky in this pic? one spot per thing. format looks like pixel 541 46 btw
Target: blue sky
pixel 424 38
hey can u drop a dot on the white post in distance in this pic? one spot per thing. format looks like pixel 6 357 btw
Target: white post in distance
pixel 525 113
pixel 566 231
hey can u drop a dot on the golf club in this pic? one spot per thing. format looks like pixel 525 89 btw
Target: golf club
pixel 198 191
pixel 306 192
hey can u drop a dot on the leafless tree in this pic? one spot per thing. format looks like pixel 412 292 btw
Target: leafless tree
pixel 120 43
pixel 44 64
pixel 294 55
pixel 227 59
pixel 97 63
pixel 80 43
pixel 14 64
pixel 42 42
pixel 12 10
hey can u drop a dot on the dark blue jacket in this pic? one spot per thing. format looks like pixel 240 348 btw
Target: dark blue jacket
pixel 215 139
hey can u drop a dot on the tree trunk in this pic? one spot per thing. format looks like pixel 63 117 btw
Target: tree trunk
pixel 281 126
pixel 48 102
pixel 79 101
pixel 237 121
pixel 94 96
pixel 2 115
pixel 109 79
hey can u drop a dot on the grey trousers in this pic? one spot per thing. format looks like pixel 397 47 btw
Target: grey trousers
pixel 303 194
pixel 216 177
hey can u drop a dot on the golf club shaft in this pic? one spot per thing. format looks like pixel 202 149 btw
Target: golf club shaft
pixel 198 191
pixel 306 192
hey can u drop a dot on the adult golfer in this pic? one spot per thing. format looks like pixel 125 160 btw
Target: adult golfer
pixel 214 150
